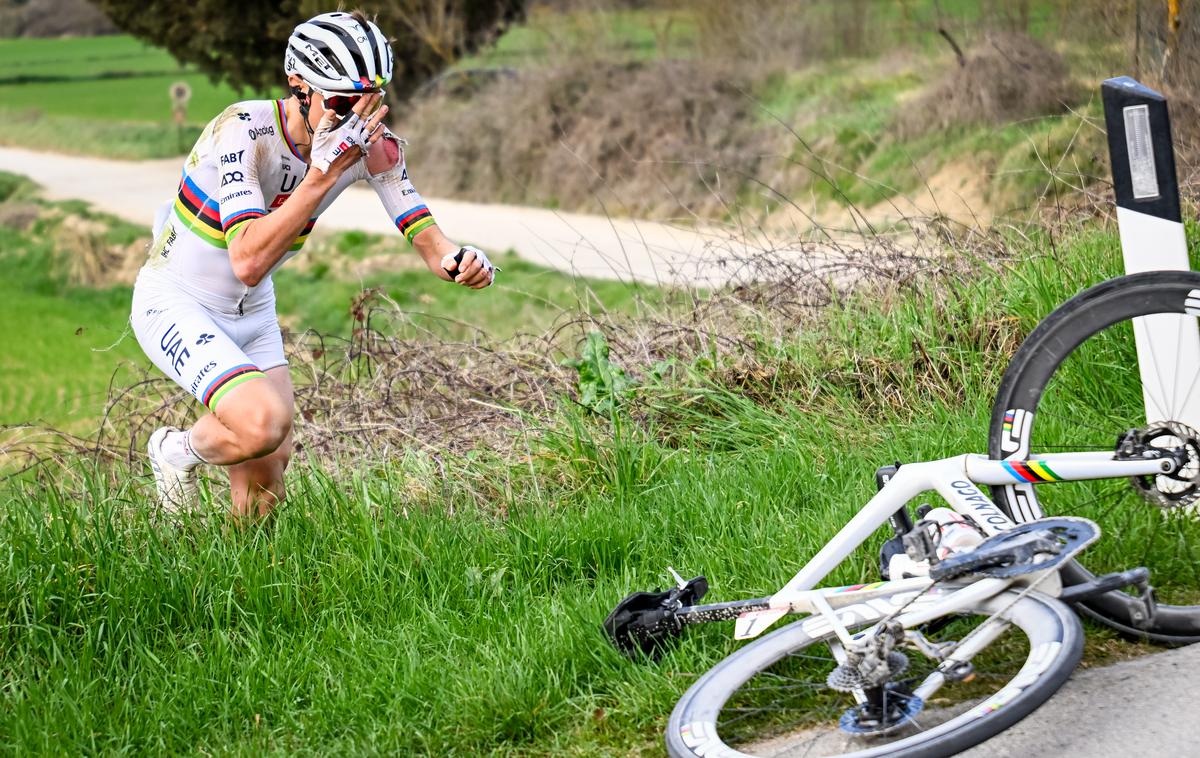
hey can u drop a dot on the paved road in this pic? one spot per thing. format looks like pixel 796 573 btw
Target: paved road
pixel 593 246
pixel 1144 708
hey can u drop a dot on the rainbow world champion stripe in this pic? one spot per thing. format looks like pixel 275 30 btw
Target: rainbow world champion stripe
pixel 414 221
pixel 857 587
pixel 1031 471
pixel 220 386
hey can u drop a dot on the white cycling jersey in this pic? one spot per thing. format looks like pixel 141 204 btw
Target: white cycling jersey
pixel 192 316
pixel 243 167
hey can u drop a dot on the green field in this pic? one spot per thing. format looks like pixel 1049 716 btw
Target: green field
pixel 104 96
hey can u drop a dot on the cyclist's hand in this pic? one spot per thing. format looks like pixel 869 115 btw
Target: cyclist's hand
pixel 470 267
pixel 371 110
pixel 340 143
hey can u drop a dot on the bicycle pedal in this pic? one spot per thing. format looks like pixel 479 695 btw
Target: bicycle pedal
pixel 643 622
pixel 960 672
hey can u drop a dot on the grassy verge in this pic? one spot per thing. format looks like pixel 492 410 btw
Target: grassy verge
pixel 391 610
pixel 70 334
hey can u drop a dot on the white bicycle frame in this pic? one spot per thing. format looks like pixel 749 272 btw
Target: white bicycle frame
pixel 957 480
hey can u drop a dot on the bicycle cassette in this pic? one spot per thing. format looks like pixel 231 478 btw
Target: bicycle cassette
pixel 1029 547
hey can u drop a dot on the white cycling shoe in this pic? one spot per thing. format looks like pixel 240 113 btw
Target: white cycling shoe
pixel 177 492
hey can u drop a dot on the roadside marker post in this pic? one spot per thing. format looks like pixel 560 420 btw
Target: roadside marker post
pixel 1152 238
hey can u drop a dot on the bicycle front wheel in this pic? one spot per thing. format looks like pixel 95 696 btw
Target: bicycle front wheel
pixel 771 699
pixel 1076 384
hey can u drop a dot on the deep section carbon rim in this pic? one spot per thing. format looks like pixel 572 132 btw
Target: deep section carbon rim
pixel 1075 385
pixel 771 697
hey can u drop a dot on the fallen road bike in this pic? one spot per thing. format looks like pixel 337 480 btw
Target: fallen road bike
pixel 972 627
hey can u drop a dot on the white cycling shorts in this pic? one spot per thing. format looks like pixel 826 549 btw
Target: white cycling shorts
pixel 203 350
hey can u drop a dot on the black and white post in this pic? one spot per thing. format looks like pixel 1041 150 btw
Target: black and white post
pixel 1152 236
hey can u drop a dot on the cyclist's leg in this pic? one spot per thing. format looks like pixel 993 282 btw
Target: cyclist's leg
pixel 256 485
pixel 252 420
pixel 250 417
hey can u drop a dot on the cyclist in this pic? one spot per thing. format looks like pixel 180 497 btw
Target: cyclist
pixel 256 181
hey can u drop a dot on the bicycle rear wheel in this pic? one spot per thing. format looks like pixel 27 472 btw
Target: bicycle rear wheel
pixel 1074 385
pixel 770 697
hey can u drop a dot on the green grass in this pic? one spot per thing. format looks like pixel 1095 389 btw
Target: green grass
pixel 114 78
pixel 389 611
pixel 62 346
pixel 627 35
pixel 527 298
pixel 57 361
pixel 61 342
pixel 846 113
pixel 104 96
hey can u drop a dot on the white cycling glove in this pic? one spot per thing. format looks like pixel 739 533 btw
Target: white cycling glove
pixel 331 139
pixel 479 256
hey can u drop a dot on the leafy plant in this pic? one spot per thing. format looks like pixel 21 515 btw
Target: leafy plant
pixel 602 383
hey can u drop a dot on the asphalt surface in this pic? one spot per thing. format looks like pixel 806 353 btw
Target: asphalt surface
pixel 1143 708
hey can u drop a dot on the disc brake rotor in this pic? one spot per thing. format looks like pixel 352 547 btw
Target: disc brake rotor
pixel 1180 489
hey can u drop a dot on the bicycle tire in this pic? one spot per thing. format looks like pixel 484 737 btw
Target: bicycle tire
pixel 1078 336
pixel 1055 645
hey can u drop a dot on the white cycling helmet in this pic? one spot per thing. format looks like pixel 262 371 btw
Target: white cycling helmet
pixel 339 54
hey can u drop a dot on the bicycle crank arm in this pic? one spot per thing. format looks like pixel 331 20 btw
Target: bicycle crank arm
pixel 1135 577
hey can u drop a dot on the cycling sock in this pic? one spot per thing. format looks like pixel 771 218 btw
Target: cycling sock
pixel 177 449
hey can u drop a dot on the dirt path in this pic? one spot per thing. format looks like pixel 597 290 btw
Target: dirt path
pixel 592 246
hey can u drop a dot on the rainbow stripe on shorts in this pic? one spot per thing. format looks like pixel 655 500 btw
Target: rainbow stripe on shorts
pixel 220 386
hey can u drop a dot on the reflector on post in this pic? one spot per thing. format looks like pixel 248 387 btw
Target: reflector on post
pixel 1141 152
pixel 1152 238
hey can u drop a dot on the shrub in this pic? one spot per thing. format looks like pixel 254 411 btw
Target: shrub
pixel 1007 78
pixel 644 139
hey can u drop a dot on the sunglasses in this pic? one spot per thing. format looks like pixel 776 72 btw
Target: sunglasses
pixel 343 104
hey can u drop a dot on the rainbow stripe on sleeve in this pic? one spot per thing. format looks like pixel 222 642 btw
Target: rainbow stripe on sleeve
pixel 240 218
pixel 414 221
pixel 299 243
pixel 202 215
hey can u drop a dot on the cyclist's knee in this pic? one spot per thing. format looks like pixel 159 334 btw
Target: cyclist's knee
pixel 265 430
pixel 260 419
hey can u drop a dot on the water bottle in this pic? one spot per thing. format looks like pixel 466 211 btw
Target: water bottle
pixel 958 535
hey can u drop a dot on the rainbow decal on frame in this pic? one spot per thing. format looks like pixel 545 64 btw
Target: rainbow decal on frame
pixel 859 587
pixel 1031 471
